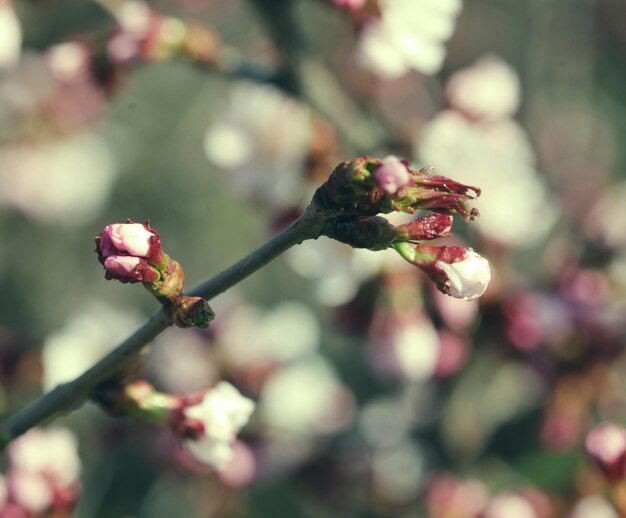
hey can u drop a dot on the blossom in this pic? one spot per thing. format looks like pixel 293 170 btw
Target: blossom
pixel 45 179
pixel 489 89
pixel 392 175
pixel 509 505
pixel 606 445
pixel 409 35
pixel 261 142
pixel 83 339
pixel 219 416
pixel 44 469
pixel 457 271
pixel 306 398
pixel 484 146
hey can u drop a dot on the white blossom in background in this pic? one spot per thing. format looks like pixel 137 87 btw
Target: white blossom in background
pixel 490 89
pixel 69 61
pixel 406 347
pixel 495 154
pixel 10 36
pixel 44 464
pixel 282 333
pixel 306 397
pixel 338 270
pixel 83 340
pixel 594 506
pixel 223 412
pixel 261 142
pixel 410 35
pixel 606 221
pixel 64 180
pixel 509 505
pixel 181 361
pixel 398 471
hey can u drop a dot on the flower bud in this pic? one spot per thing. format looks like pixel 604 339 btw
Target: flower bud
pixel 457 271
pixel 427 227
pixel 170 284
pixel 392 175
pixel 606 445
pixel 192 312
pixel 367 186
pixel 131 239
pixel 126 268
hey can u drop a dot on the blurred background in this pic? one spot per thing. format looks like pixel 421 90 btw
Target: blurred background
pixel 377 396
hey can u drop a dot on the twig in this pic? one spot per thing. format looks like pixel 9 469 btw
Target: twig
pixel 71 395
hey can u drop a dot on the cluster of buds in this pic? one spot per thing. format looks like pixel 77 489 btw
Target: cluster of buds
pixel 360 189
pixel 208 422
pixel 131 252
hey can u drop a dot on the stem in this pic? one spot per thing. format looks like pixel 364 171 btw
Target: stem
pixel 71 395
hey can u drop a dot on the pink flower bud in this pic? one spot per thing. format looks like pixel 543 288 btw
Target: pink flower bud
pixel 126 268
pixel 606 445
pixel 392 175
pixel 130 239
pixel 431 226
pixel 457 271
pixel 131 252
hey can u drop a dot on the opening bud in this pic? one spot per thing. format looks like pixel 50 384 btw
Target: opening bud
pixel 457 271
pixel 126 268
pixel 131 240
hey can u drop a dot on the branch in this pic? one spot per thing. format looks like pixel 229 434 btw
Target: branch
pixel 71 395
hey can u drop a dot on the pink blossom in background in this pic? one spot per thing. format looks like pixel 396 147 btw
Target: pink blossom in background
pixel 449 496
